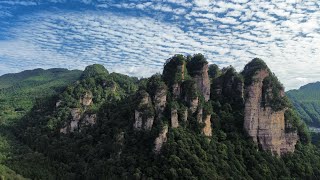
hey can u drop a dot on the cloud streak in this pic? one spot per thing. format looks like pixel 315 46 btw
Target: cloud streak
pixel 136 38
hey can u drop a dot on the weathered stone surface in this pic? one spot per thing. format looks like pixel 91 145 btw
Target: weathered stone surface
pixel 87 99
pixel 64 130
pixel 142 118
pixel 185 115
pixel 76 116
pixel 265 126
pixel 200 115
pixel 160 101
pixel 202 80
pixel 148 123
pixel 160 140
pixel 194 104
pixel 176 90
pixel 174 118
pixel 58 103
pixel 138 120
pixel 252 105
pixel 207 130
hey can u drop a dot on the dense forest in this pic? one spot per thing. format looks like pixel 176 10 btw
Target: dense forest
pixel 306 101
pixel 186 123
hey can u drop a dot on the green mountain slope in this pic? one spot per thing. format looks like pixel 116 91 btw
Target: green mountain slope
pixel 99 128
pixel 18 94
pixel 306 100
pixel 183 124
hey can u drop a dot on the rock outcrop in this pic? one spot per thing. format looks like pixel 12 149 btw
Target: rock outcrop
pixel 265 125
pixel 174 118
pixel 207 130
pixel 78 120
pixel 202 80
pixel 144 115
pixel 160 140
pixel 76 116
pixel 86 100
pixel 160 101
pixel 198 70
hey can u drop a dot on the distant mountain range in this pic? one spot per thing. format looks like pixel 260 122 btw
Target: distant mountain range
pixel 306 100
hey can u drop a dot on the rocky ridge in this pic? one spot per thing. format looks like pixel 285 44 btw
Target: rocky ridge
pixel 265 125
pixel 190 88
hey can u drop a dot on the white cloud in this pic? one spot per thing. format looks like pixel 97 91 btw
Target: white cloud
pixel 283 33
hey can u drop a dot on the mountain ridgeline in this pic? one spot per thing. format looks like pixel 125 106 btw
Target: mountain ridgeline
pixel 306 101
pixel 193 121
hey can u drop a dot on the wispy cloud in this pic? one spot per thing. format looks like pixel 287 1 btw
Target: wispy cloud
pixel 136 37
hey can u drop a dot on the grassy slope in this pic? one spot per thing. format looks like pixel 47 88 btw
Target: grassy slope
pixel 307 102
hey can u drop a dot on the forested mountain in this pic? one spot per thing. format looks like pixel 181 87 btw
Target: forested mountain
pixel 193 121
pixel 18 94
pixel 306 101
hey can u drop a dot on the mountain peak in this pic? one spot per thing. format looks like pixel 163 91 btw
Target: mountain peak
pixel 94 70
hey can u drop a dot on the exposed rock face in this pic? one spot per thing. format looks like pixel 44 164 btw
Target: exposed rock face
pixel 265 126
pixel 87 99
pixel 76 116
pixel 148 123
pixel 174 118
pixel 176 90
pixel 200 115
pixel 58 103
pixel 160 140
pixel 185 115
pixel 160 101
pixel 143 118
pixel 174 74
pixel 207 130
pixel 75 121
pixel 138 120
pixel 202 80
pixel 194 104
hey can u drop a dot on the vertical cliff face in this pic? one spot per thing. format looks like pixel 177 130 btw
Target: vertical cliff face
pixel 207 130
pixel 174 118
pixel 262 121
pixel 198 70
pixel 144 114
pixel 174 74
pixel 160 101
pixel 160 140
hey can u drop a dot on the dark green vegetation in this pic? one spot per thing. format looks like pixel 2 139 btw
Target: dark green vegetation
pixel 18 94
pixel 35 147
pixel 306 100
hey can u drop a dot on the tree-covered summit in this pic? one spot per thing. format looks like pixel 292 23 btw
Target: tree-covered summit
pixel 94 70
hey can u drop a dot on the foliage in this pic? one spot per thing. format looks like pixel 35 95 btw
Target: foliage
pixel 214 71
pixel 173 70
pixel 94 70
pixel 273 94
pixel 112 149
pixel 306 100
pixel 252 68
pixel 196 63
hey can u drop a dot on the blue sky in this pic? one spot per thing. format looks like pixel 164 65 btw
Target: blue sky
pixel 136 37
